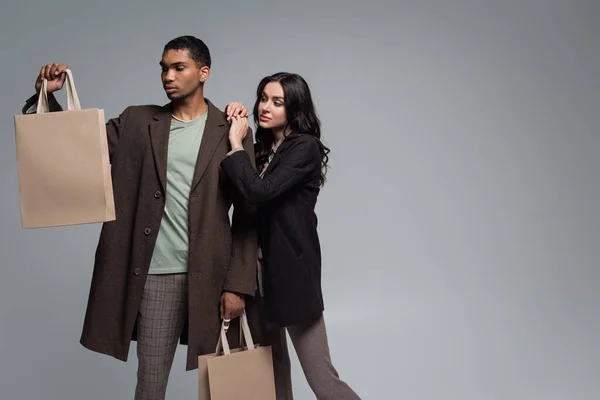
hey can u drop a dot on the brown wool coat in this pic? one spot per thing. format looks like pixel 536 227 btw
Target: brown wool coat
pixel 222 256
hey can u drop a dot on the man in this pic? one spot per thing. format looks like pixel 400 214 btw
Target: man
pixel 171 266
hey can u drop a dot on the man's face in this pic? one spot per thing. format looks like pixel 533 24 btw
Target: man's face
pixel 181 76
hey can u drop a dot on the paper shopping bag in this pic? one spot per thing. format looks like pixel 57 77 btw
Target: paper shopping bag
pixel 63 164
pixel 243 373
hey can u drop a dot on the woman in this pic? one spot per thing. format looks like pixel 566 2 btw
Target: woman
pixel 291 162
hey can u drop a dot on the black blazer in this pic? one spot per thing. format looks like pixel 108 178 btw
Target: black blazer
pixel 286 197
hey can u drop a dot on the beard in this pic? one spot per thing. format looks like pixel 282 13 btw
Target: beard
pixel 181 95
pixel 177 97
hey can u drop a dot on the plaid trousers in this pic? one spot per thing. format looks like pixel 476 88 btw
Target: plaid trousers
pixel 161 318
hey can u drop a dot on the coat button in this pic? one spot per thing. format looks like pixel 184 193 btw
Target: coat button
pixel 136 271
pixel 157 194
pixel 147 231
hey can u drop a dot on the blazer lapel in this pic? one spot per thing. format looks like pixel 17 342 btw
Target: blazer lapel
pixel 281 149
pixel 216 128
pixel 159 137
pixel 274 161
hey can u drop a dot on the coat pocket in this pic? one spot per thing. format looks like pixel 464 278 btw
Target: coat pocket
pixel 290 236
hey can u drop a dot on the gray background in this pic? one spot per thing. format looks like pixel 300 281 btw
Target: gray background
pixel 460 224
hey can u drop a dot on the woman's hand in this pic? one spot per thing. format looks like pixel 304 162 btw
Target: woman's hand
pixel 234 109
pixel 238 131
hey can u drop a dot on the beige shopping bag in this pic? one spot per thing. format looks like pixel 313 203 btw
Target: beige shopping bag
pixel 243 373
pixel 63 164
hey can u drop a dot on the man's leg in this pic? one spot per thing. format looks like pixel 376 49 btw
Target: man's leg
pixel 160 321
pixel 310 342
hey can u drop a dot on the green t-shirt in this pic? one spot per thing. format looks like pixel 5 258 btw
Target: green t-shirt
pixel 172 244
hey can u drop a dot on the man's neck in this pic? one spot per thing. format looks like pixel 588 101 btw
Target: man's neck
pixel 190 108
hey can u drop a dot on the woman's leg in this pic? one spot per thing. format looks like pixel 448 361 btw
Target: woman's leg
pixel 310 342
pixel 268 334
pixel 281 364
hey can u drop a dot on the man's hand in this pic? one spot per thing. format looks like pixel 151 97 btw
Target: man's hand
pixel 232 305
pixel 235 109
pixel 54 74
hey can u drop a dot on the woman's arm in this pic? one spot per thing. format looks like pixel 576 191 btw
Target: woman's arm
pixel 301 160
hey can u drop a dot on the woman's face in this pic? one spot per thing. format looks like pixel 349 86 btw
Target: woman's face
pixel 271 107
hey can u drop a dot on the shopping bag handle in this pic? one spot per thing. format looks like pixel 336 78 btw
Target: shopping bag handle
pixel 43 106
pixel 223 343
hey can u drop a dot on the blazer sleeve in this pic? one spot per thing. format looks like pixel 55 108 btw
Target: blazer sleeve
pixel 31 104
pixel 241 276
pixel 114 127
pixel 302 158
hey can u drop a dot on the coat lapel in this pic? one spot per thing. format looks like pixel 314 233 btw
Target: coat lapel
pixel 281 149
pixel 274 161
pixel 159 137
pixel 216 128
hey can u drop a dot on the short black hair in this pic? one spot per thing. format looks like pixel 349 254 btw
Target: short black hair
pixel 197 48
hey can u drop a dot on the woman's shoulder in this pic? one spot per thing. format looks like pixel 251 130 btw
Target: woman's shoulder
pixel 303 146
pixel 301 138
